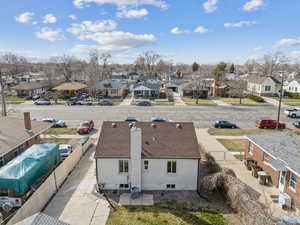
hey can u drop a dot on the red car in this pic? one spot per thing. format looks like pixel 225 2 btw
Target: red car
pixel 269 123
pixel 85 127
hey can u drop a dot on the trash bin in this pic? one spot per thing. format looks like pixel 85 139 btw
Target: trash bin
pixel 135 192
pixel 263 177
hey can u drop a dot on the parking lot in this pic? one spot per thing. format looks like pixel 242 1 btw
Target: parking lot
pixel 202 116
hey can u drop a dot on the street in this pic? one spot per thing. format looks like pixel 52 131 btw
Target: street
pixel 202 116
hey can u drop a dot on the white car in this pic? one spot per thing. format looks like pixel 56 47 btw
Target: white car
pixel 295 112
pixel 65 150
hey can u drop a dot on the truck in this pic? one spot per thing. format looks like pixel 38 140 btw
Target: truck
pixel 295 112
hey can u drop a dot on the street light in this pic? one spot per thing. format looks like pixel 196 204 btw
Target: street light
pixel 280 100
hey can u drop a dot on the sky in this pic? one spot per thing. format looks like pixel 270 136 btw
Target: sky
pixel 205 31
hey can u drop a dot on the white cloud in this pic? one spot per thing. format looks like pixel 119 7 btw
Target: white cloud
pixel 72 17
pixel 50 34
pixel 201 29
pixel 253 5
pixel 295 53
pixel 24 17
pixel 89 26
pixel 116 40
pixel 34 23
pixel 49 18
pixel 210 6
pixel 288 42
pixel 158 3
pixel 258 48
pixel 240 24
pixel 177 31
pixel 132 13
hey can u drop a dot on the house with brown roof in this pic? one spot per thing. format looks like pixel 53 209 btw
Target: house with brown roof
pixel 147 156
pixel 31 88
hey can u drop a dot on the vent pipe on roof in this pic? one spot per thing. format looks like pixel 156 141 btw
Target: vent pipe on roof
pixel 114 125
pixel 27 121
pixel 178 125
pixel 130 125
pixel 153 125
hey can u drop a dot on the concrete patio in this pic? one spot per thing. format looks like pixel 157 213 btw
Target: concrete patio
pixel 144 199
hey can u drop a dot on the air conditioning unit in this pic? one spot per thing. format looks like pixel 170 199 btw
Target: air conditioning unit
pixel 15 202
pixel 284 200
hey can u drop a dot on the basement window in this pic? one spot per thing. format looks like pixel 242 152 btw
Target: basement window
pixel 124 186
pixel 123 166
pixel 170 186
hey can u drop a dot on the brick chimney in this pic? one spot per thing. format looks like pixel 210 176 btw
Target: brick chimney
pixel 27 121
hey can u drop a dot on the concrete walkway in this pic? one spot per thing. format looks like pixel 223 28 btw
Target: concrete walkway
pixel 275 102
pixel 178 100
pixel 218 101
pixel 230 137
pixel 127 100
pixel 76 202
pixel 226 159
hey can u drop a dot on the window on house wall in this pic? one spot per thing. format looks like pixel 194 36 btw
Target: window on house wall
pixel 170 186
pixel 123 166
pixel 114 91
pixel 267 158
pixel 267 88
pixel 146 165
pixel 124 185
pixel 251 148
pixel 296 89
pixel 171 167
pixel 293 181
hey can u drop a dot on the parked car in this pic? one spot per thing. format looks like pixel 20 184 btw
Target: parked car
pixel 42 101
pixel 105 103
pixel 85 127
pixel 224 124
pixel 28 97
pixel 297 124
pixel 35 97
pixel 49 120
pixel 83 95
pixel 295 112
pixel 59 124
pixel 159 119
pixel 131 119
pixel 85 102
pixel 144 103
pixel 83 141
pixel 269 123
pixel 72 101
pixel 65 150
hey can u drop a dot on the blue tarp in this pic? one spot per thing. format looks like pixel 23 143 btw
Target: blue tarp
pixel 29 166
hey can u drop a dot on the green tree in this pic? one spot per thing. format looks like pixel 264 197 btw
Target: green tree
pixel 232 69
pixel 219 70
pixel 195 67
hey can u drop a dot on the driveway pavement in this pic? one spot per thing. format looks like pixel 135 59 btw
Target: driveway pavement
pixel 219 102
pixel 274 102
pixel 178 100
pixel 76 202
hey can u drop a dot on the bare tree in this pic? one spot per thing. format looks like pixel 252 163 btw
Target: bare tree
pixel 104 57
pixel 198 86
pixel 151 59
pixel 250 65
pixel 272 61
pixel 237 89
pixel 140 64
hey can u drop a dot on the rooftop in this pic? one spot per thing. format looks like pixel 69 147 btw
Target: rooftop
pixel 163 140
pixel 70 86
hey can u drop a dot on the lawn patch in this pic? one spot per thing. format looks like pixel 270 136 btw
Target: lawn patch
pixel 233 145
pixel 60 131
pixel 163 215
pixel 201 102
pixel 237 132
pixel 245 102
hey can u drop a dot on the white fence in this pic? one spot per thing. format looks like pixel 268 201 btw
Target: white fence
pixel 43 194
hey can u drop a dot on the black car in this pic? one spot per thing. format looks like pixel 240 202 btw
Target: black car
pixel 159 119
pixel 224 124
pixel 72 101
pixel 297 124
pixel 28 98
pixel 105 103
pixel 131 119
pixel 144 103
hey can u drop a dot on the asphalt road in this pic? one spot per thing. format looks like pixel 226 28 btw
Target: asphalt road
pixel 202 116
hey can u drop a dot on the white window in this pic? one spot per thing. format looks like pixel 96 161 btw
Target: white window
pixel 123 166
pixel 146 165
pixel 170 186
pixel 293 181
pixel 171 167
pixel 267 88
pixel 251 148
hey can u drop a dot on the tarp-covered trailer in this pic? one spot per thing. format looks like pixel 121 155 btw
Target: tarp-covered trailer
pixel 20 173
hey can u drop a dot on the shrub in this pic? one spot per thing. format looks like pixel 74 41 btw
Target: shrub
pixel 256 98
pixel 293 95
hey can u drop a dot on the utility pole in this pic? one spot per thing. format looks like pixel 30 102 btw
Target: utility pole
pixel 2 84
pixel 280 100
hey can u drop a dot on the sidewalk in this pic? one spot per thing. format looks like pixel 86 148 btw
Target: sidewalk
pixel 127 101
pixel 274 102
pixel 177 99
pixel 218 102
pixel 219 152
pixel 76 202
pixel 71 136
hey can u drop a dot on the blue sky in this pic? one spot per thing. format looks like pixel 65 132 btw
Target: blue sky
pixel 206 31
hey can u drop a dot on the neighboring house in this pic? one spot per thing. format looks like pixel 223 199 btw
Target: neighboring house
pixel 31 88
pixel 263 86
pixel 149 156
pixel 278 154
pixel 292 86
pixel 191 90
pixel 111 88
pixel 219 89
pixel 147 89
pixel 16 135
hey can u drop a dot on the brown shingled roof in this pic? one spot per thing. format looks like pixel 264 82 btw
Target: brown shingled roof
pixel 162 141
pixel 13 133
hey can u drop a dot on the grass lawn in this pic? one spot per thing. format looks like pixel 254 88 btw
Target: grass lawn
pixel 237 132
pixel 59 131
pixel 162 103
pixel 163 215
pixel 290 101
pixel 239 157
pixel 233 145
pixel 59 141
pixel 201 102
pixel 14 100
pixel 245 102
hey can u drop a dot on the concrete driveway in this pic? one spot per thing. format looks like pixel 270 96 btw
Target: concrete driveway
pixel 76 203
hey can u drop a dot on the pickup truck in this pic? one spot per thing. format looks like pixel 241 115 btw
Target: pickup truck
pixel 295 112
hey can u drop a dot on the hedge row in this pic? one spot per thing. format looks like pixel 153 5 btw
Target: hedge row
pixel 256 98
pixel 293 95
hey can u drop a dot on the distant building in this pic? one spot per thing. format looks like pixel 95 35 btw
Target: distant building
pixel 147 89
pixel 32 88
pixel 111 88
pixel 263 86
pixel 292 86
pixel 148 156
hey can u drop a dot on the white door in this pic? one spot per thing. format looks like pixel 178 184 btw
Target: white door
pixel 282 180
